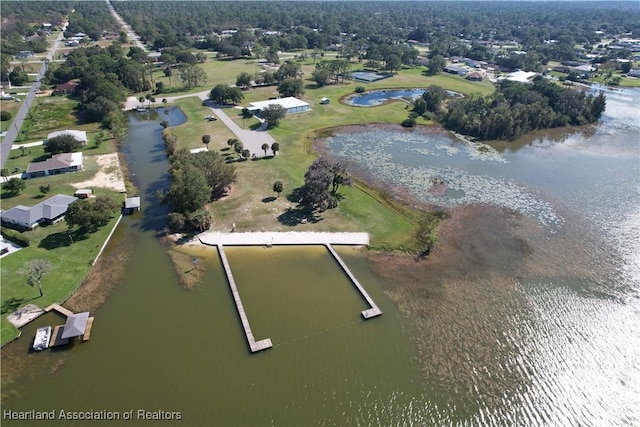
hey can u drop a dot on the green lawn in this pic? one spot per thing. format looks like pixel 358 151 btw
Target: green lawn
pixel 70 261
pixel 51 113
pixel 251 204
pixel 19 161
pixel 629 82
pixel 190 133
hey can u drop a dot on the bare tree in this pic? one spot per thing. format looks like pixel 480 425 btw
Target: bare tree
pixel 35 270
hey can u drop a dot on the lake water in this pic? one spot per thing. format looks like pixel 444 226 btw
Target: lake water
pixel 374 98
pixel 573 338
pixel 572 326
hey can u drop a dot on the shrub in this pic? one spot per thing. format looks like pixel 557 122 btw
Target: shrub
pixel 5 116
pixel 360 89
pixel 15 237
pixel 409 123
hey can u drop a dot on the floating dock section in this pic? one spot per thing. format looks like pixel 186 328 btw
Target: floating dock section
pixel 374 310
pixel 253 345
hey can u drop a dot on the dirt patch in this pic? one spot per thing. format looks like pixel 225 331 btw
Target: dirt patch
pixel 24 315
pixel 108 176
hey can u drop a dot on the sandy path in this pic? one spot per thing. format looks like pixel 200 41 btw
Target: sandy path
pixel 109 176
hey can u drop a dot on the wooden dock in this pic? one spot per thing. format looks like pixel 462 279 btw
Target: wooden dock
pixel 56 339
pixel 87 330
pixel 253 345
pixel 60 309
pixel 374 310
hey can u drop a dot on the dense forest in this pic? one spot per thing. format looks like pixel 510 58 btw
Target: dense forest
pixel 375 34
pixel 517 108
pixel 358 25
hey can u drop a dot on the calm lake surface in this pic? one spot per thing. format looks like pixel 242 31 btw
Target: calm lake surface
pixel 158 347
pixel 373 98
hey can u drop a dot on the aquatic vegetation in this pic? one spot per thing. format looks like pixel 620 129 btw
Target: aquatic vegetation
pixel 410 160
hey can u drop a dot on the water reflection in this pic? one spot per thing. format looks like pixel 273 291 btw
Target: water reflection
pixel 530 309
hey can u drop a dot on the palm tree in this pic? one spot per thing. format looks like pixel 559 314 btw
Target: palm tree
pixel 141 100
pixel 277 187
pixel 237 146
pixel 275 147
pixel 148 98
pixel 206 139
pixel 153 99
pixel 164 102
pixel 265 147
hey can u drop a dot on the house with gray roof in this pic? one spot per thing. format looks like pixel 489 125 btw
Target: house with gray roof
pixel 452 69
pixel 51 210
pixel 57 164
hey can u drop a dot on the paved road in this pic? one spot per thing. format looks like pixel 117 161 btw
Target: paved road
pixel 13 132
pixel 131 35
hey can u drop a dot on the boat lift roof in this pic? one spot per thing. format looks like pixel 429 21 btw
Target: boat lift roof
pixel 75 325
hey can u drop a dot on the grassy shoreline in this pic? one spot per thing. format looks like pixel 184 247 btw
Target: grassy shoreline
pixel 391 222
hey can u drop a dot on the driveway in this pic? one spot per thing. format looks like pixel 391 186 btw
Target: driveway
pixel 251 139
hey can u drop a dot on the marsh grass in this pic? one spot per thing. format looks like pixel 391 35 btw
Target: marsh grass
pixel 190 275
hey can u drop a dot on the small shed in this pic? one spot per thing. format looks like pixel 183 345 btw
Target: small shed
pixel 83 193
pixel 131 205
pixel 76 325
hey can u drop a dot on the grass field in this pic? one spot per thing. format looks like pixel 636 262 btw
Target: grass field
pixel 251 204
pixel 51 113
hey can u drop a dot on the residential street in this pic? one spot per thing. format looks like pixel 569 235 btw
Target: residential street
pixel 14 130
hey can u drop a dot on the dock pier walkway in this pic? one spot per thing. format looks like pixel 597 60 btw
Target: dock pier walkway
pixel 253 345
pixel 374 310
pixel 268 239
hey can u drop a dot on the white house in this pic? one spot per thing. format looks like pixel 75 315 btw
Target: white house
pixel 79 135
pixel 51 210
pixel 57 164
pixel 520 76
pixel 291 104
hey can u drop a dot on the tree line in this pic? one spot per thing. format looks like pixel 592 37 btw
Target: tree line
pixel 369 29
pixel 512 110
pixel 196 180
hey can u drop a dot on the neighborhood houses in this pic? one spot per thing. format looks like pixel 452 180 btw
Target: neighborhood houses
pixel 57 164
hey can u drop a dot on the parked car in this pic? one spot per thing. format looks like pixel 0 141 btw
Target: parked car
pixel 210 118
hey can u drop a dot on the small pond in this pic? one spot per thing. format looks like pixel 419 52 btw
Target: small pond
pixel 374 98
